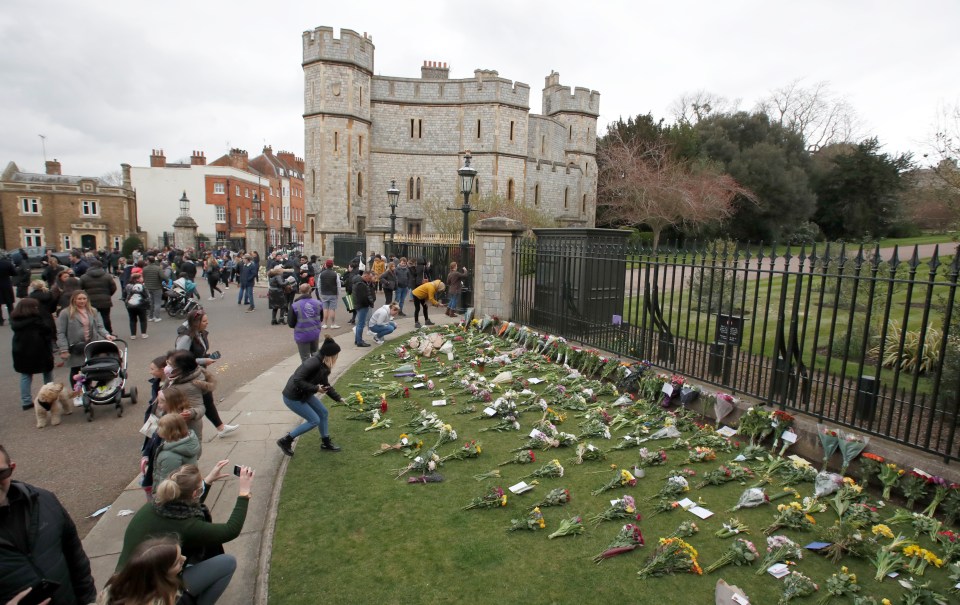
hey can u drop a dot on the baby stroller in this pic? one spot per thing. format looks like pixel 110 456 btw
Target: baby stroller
pixel 181 298
pixel 103 376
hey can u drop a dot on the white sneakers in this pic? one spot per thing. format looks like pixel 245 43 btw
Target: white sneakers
pixel 144 336
pixel 227 429
pixel 323 327
pixel 378 340
pixel 334 327
pixel 78 401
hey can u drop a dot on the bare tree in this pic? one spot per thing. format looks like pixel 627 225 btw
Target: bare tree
pixel 816 113
pixel 691 107
pixel 113 178
pixel 641 183
pixel 450 222
pixel 946 146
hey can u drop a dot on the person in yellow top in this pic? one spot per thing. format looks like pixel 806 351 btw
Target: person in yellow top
pixel 422 294
pixel 379 266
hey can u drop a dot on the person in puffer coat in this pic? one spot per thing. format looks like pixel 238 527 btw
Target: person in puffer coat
pixel 276 298
pixel 100 288
pixel 180 446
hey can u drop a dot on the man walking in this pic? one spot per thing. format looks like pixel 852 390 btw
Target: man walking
pixel 328 285
pixel 39 541
pixel 248 275
pixel 100 287
pixel 364 297
pixel 153 282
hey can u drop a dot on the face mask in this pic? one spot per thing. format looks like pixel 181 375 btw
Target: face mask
pixel 167 371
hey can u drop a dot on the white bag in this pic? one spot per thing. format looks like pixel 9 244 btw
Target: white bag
pixel 150 426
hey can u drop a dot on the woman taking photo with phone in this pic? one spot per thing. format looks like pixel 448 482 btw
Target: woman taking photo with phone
pixel 193 337
pixel 178 508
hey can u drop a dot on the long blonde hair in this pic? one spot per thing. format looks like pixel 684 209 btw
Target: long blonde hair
pixel 73 310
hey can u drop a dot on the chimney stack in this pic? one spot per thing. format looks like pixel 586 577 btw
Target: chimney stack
pixel 198 159
pixel 434 70
pixel 53 167
pixel 157 159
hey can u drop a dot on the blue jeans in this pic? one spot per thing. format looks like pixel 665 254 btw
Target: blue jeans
pixel 245 295
pixel 453 301
pixel 383 330
pixel 310 410
pixel 208 579
pixel 402 296
pixel 26 385
pixel 361 324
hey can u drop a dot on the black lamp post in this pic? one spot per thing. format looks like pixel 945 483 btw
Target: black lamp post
pixel 393 196
pixel 256 206
pixel 467 175
pixel 184 205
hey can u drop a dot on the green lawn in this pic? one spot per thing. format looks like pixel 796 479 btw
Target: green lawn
pixel 349 532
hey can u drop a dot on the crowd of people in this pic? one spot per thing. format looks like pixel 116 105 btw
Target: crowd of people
pixel 172 551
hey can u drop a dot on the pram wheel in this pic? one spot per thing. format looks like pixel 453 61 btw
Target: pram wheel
pixel 133 395
pixel 88 407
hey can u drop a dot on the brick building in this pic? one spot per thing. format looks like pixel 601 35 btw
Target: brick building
pixel 364 130
pixel 221 195
pixel 62 212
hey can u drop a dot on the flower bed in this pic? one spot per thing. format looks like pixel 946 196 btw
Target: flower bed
pixel 349 530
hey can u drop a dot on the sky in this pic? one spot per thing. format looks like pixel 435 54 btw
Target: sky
pixel 106 81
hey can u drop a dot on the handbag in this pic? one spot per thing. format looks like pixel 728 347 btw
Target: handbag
pixel 77 348
pixel 348 302
pixel 150 426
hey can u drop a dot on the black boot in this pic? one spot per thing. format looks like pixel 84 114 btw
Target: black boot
pixel 328 445
pixel 286 444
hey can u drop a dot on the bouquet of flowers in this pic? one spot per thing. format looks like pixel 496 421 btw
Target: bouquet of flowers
pixel 623 477
pixel 922 524
pixel 951 504
pixel 378 423
pixel 621 508
pixel 779 548
pixel 627 540
pixel 722 405
pixel 870 465
pixel 955 575
pixel 702 454
pixel 676 382
pixel 648 458
pixel 851 445
pixel 840 584
pixel 673 555
pixel 426 462
pixel 594 428
pixel 568 527
pixel 741 552
pixel 532 522
pixel 798 471
pixel 781 423
pixel 447 435
pixel 676 485
pixel 494 474
pixel 950 542
pixel 684 530
pixel 889 476
pixel 919 558
pixel 494 498
pixel 752 497
pixel 555 497
pixel 732 528
pixel 826 483
pixel 792 516
pixel 550 469
pixel 724 474
pixel 795 586
pixel 588 451
pixel 627 441
pixel 506 423
pixel 913 486
pixel 830 440
pixel 940 490
pixel 405 444
pixel 470 449
pixel 755 425
pixel 523 457
pixel 886 561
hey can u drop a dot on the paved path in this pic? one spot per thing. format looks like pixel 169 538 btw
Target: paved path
pixel 258 408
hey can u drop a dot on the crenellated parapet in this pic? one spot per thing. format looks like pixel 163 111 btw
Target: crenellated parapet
pixel 484 87
pixel 563 99
pixel 351 48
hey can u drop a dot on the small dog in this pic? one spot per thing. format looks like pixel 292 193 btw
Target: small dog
pixel 50 402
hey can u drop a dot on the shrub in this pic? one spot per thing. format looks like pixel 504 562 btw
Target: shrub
pixel 129 245
pixel 911 359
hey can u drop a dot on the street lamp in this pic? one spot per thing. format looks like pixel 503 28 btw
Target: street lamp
pixel 184 205
pixel 393 195
pixel 256 206
pixel 468 175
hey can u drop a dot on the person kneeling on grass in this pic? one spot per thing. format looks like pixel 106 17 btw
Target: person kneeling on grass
pixel 157 572
pixel 381 322
pixel 301 396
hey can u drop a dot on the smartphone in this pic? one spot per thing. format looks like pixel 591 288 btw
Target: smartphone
pixel 236 470
pixel 44 590
pixel 214 355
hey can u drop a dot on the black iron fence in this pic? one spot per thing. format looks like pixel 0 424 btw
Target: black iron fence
pixel 868 339
pixel 345 248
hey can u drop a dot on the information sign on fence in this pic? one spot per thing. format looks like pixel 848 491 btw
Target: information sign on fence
pixel 729 329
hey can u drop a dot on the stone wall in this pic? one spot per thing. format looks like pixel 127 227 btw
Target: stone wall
pixel 493 276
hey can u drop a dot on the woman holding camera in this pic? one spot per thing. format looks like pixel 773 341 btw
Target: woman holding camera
pixel 193 337
pixel 178 508
pixel 302 392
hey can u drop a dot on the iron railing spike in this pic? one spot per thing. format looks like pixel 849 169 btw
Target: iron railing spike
pixel 915 257
pixel 935 259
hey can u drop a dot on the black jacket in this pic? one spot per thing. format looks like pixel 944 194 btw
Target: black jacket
pixel 328 282
pixel 363 295
pixel 305 380
pixel 55 553
pixel 100 287
pixel 32 338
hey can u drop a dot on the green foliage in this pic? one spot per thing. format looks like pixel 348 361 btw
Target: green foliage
pixel 129 245
pixel 767 159
pixel 716 289
pixel 857 191
pixel 806 234
pixel 911 359
pixel 450 222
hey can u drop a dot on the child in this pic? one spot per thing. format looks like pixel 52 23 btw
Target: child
pixel 180 446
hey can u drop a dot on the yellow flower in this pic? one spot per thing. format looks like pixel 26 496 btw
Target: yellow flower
pixel 479 450
pixel 886 602
pixel 882 530
pixel 849 481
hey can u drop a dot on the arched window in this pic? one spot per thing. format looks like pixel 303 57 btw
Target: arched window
pixel 410 189
pixel 536 194
pixel 418 188
pixel 359 184
pixel 510 190
pixel 566 198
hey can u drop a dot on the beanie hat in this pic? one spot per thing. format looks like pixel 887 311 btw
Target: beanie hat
pixel 329 263
pixel 329 348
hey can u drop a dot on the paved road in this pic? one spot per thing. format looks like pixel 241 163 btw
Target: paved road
pixel 87 464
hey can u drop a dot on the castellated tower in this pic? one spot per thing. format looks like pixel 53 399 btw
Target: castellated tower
pixel 577 110
pixel 338 74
